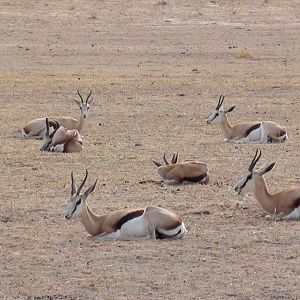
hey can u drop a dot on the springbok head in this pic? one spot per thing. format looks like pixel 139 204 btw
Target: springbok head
pixel 218 114
pixel 173 160
pixel 84 105
pixel 48 137
pixel 77 200
pixel 247 183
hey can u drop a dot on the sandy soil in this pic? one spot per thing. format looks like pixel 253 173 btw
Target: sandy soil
pixel 156 72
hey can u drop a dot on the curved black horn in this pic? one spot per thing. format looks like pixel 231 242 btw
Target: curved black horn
pixel 165 160
pixel 220 102
pixel 80 96
pixel 174 158
pixel 73 188
pixel 83 182
pixel 255 159
pixel 56 126
pixel 47 127
pixel 89 95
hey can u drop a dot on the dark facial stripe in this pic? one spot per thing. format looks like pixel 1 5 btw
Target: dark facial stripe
pixel 214 117
pixel 77 203
pixel 128 217
pixel 247 179
pixel 253 127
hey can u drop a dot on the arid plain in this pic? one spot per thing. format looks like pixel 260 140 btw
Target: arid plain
pixel 156 72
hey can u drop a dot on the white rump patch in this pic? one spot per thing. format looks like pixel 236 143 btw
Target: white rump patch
pixel 174 232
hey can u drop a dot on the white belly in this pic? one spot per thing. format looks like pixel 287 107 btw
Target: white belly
pixel 255 135
pixel 136 227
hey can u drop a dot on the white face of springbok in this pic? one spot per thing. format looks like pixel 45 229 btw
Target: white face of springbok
pixel 77 201
pixel 218 114
pixel 247 183
pixel 48 137
pixel 84 105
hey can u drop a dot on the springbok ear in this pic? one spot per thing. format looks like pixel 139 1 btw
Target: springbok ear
pixel 90 189
pixel 266 169
pixel 77 102
pixel 90 101
pixel 229 109
pixel 157 163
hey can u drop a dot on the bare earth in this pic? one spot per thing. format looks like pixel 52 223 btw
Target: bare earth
pixel 156 72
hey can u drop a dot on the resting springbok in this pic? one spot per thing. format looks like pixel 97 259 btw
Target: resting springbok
pixel 246 132
pixel 126 224
pixel 282 205
pixel 36 128
pixel 61 140
pixel 188 170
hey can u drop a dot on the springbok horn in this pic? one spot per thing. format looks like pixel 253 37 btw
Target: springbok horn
pixel 47 127
pixel 221 99
pixel 73 188
pixel 55 129
pixel 83 182
pixel 80 96
pixel 174 158
pixel 165 160
pixel 89 95
pixel 255 159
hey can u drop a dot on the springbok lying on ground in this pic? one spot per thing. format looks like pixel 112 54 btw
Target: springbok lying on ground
pixel 126 224
pixel 282 205
pixel 61 140
pixel 245 132
pixel 36 128
pixel 187 170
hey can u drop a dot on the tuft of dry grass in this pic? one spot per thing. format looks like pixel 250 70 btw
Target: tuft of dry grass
pixel 244 53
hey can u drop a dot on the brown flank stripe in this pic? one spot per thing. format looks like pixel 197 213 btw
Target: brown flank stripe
pixel 128 217
pixel 253 127
pixel 195 178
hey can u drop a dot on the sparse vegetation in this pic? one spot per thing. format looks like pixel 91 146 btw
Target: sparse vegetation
pixel 230 250
pixel 243 54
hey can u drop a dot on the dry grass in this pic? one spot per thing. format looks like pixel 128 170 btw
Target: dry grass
pixel 243 54
pixel 148 101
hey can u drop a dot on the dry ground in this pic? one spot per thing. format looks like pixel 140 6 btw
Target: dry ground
pixel 156 71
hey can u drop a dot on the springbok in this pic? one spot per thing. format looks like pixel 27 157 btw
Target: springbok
pixel 188 170
pixel 61 140
pixel 245 132
pixel 36 128
pixel 281 205
pixel 125 224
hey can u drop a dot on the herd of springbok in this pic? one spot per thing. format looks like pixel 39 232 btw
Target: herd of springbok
pixel 63 134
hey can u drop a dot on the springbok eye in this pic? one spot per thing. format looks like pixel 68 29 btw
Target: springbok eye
pixel 88 108
pixel 217 114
